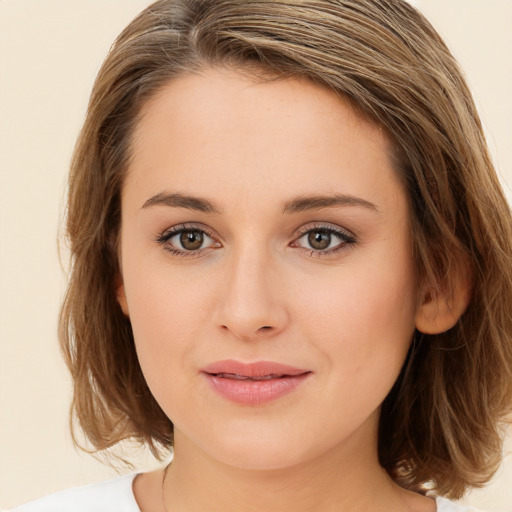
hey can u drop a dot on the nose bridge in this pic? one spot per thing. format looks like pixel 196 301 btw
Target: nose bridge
pixel 250 302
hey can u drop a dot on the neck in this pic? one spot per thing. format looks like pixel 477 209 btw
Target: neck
pixel 346 478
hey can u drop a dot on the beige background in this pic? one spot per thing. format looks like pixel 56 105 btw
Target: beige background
pixel 50 51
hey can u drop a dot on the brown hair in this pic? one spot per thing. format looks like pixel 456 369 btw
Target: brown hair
pixel 441 421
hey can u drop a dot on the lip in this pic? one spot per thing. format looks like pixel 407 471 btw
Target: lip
pixel 253 383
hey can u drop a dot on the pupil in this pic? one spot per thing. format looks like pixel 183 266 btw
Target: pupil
pixel 191 240
pixel 319 239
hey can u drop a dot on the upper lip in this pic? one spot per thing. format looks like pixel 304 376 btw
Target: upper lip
pixel 253 370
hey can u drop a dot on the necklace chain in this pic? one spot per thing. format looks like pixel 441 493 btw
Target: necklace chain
pixel 163 486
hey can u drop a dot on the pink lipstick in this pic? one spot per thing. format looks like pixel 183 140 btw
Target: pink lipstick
pixel 253 383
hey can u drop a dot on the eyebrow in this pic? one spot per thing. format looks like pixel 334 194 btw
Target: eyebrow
pixel 315 202
pixel 178 200
pixel 300 204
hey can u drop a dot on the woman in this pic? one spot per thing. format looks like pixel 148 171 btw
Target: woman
pixel 291 262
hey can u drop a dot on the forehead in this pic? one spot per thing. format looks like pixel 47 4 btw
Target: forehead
pixel 221 126
pixel 242 97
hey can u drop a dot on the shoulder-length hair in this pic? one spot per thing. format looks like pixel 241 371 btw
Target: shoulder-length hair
pixel 441 422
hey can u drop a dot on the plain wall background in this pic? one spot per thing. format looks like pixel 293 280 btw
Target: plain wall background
pixel 50 51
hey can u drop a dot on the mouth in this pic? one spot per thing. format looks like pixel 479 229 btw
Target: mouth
pixel 235 376
pixel 253 383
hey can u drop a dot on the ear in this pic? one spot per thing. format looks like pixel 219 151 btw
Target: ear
pixel 121 295
pixel 440 309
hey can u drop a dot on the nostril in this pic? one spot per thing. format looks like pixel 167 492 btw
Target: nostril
pixel 248 334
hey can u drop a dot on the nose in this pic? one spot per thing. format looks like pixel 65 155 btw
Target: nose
pixel 251 303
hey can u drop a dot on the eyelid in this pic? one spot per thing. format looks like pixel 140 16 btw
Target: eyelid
pixel 164 237
pixel 347 238
pixel 326 226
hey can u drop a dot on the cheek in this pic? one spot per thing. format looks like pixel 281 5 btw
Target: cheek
pixel 167 309
pixel 363 340
pixel 358 301
pixel 164 297
pixel 363 327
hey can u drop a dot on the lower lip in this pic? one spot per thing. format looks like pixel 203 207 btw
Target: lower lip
pixel 255 392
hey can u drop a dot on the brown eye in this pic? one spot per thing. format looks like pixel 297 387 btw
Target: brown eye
pixel 191 240
pixel 185 241
pixel 324 241
pixel 319 240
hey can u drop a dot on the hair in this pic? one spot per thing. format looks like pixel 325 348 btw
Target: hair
pixel 441 424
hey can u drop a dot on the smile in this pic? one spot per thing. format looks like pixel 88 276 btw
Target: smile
pixel 245 377
pixel 253 384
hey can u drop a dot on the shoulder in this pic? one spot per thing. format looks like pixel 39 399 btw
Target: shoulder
pixel 444 505
pixel 105 496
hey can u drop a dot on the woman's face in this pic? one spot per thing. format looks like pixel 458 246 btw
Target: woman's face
pixel 266 268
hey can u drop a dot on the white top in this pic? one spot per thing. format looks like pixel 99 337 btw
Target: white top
pixel 117 494
pixel 111 495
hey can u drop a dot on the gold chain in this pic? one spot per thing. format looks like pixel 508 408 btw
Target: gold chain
pixel 163 486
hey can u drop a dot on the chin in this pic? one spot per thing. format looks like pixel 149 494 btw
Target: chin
pixel 255 450
pixel 266 450
pixel 266 458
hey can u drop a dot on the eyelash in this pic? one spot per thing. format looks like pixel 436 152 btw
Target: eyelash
pixel 346 240
pixel 164 240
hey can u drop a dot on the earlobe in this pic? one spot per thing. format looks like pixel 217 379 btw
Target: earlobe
pixel 121 297
pixel 440 310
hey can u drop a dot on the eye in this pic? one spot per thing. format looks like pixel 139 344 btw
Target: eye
pixel 190 240
pixel 324 240
pixel 185 241
pixel 320 239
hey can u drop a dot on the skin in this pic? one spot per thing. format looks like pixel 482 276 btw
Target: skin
pixel 258 290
